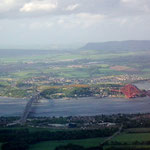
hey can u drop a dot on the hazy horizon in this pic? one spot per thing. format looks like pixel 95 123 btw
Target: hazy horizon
pixel 73 46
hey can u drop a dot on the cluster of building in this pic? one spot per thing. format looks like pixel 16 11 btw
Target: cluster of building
pixel 48 80
pixel 117 79
pixel 78 122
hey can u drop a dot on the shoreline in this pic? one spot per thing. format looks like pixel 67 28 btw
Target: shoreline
pixel 65 98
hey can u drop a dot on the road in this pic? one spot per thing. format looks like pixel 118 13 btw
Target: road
pixel 111 137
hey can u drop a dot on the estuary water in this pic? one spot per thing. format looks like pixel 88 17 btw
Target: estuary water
pixel 77 107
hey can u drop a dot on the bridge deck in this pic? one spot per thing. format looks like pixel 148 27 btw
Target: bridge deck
pixel 28 108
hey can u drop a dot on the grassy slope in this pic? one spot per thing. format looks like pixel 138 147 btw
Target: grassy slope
pixel 124 137
pixel 128 146
pixel 132 137
pixel 0 145
pixel 138 130
pixel 51 145
pixel 129 137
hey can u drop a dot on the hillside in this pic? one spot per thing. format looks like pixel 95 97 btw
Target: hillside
pixel 131 45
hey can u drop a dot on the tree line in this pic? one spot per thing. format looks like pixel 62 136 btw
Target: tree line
pixel 21 139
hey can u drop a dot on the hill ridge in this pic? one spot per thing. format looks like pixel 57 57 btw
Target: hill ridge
pixel 128 45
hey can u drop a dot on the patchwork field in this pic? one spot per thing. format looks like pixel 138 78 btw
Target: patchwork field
pixel 132 137
pixel 22 70
pixel 128 140
pixel 51 145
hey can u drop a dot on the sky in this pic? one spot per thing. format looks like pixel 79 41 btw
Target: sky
pixel 71 23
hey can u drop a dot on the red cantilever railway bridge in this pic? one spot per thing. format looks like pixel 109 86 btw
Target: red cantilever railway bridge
pixel 131 91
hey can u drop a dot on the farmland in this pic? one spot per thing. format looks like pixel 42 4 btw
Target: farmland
pixel 132 140
pixel 86 131
pixel 52 145
pixel 22 70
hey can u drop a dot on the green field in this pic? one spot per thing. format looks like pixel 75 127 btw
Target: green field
pixel 129 137
pixel 128 140
pixel 33 129
pixel 123 138
pixel 64 59
pixel 51 145
pixel 0 145
pixel 21 72
pixel 128 146
pixel 138 130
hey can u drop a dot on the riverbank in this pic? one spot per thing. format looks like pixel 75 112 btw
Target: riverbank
pixel 83 91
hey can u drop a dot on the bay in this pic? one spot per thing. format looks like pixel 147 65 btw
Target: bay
pixel 87 106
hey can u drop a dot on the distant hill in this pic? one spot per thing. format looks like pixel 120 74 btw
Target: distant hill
pixel 131 45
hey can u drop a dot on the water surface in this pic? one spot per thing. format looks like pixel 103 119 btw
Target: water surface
pixel 74 107
pixel 81 106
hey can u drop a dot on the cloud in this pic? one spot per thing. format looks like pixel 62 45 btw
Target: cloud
pixel 88 19
pixel 72 7
pixel 127 1
pixel 40 25
pixel 136 7
pixel 80 20
pixel 123 21
pixel 63 21
pixel 6 5
pixel 89 9
pixel 88 16
pixel 38 6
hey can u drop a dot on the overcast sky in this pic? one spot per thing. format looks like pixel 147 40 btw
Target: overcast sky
pixel 44 23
